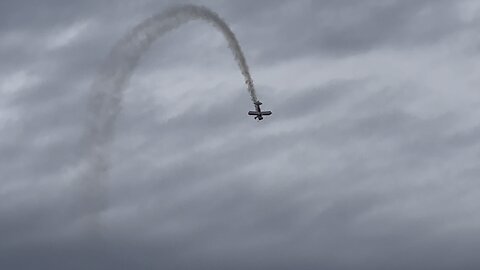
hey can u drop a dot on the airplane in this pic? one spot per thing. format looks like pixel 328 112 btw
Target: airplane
pixel 258 112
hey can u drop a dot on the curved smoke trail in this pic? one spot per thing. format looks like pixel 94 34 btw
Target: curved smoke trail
pixel 108 88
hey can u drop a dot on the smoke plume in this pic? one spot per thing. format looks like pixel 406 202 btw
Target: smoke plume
pixel 108 88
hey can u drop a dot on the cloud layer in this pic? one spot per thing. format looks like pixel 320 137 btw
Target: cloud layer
pixel 370 160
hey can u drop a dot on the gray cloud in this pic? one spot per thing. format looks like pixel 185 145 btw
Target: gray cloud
pixel 360 166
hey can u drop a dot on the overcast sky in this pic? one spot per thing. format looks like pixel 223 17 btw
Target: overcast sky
pixel 369 161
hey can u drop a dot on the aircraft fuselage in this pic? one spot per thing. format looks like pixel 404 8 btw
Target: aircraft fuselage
pixel 258 111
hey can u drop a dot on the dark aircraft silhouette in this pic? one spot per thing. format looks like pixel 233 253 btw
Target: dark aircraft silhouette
pixel 258 112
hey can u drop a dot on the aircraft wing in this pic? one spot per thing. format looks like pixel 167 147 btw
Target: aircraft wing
pixel 266 112
pixel 253 113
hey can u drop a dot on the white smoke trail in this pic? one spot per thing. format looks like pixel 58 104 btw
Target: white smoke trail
pixel 108 88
